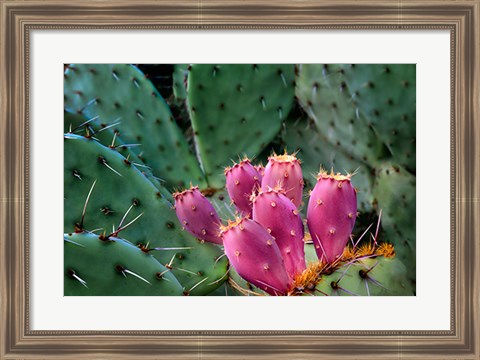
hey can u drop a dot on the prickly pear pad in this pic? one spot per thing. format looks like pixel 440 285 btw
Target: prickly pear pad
pixel 113 267
pixel 120 93
pixel 326 98
pixel 378 276
pixel 385 94
pixel 236 110
pixel 315 152
pixel 121 191
pixel 394 191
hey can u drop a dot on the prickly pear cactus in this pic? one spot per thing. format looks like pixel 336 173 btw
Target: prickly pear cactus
pixel 331 214
pixel 363 108
pixel 122 194
pixel 154 206
pixel 75 124
pixel 96 266
pixel 241 180
pixel 324 93
pixel 236 110
pixel 120 96
pixel 376 271
pixel 379 276
pixel 314 152
pixel 367 113
pixel 394 191
pixel 179 82
pixel 223 204
pixel 385 94
pixel 255 255
pixel 279 215
pixel 285 172
pixel 198 215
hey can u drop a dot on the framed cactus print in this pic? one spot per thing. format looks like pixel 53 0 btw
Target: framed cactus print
pixel 239 228
pixel 202 197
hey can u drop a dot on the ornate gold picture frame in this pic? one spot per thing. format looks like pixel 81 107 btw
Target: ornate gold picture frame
pixel 19 18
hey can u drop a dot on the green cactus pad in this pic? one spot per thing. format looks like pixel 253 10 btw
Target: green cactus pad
pixel 80 124
pixel 246 287
pixel 179 88
pixel 385 95
pixel 394 192
pixel 378 276
pixel 314 151
pixel 121 93
pixel 224 290
pixel 118 187
pixel 93 267
pixel 236 110
pixel 324 95
pixel 73 124
pixel 223 205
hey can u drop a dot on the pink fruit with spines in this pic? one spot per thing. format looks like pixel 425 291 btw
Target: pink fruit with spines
pixel 261 170
pixel 241 180
pixel 331 214
pixel 284 171
pixel 197 215
pixel 280 217
pixel 255 256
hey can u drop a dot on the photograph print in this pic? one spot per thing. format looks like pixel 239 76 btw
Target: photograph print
pixel 239 179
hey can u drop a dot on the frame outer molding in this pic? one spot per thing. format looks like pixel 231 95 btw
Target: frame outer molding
pixel 17 17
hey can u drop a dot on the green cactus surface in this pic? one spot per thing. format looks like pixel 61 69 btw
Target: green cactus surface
pixel 368 276
pixel 326 98
pixel 394 192
pixel 385 95
pixel 75 124
pixel 223 205
pixel 121 190
pixel 179 82
pixel 98 267
pixel 236 110
pixel 120 94
pixel 314 152
pixel 378 276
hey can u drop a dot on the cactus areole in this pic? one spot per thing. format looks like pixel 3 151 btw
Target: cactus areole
pixel 331 214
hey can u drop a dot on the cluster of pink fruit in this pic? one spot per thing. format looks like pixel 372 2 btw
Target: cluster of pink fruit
pixel 265 243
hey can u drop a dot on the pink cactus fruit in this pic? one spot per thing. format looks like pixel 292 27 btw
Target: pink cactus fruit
pixel 331 214
pixel 280 217
pixel 284 171
pixel 261 170
pixel 255 256
pixel 241 180
pixel 197 215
